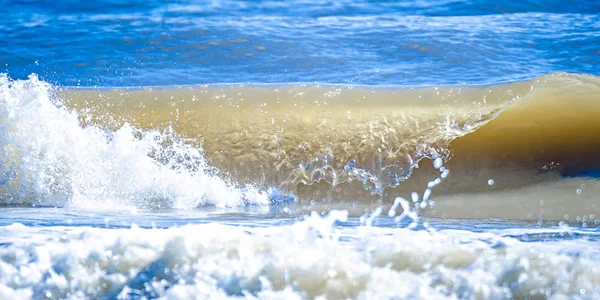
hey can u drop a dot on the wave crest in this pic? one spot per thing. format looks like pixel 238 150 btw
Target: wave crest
pixel 48 158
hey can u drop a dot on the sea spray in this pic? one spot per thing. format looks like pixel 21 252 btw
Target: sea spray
pixel 50 159
pixel 412 211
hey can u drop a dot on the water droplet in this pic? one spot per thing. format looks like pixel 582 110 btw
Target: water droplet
pixel 491 182
pixel 426 195
pixel 434 182
pixel 445 174
pixel 437 163
pixel 415 197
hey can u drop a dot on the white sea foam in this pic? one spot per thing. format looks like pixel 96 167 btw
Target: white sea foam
pixel 308 259
pixel 47 157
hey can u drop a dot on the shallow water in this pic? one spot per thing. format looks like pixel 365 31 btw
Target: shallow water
pixel 201 254
pixel 306 149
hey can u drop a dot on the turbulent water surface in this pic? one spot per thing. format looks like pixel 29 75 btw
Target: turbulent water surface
pixel 299 150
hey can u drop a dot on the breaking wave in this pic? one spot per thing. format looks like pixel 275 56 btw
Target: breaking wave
pixel 184 147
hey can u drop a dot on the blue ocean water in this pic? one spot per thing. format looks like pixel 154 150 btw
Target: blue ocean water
pixel 150 43
pixel 101 204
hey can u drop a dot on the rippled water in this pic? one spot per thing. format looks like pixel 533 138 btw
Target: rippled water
pixel 299 149
pixel 134 43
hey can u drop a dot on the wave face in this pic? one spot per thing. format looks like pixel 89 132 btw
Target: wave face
pixel 189 146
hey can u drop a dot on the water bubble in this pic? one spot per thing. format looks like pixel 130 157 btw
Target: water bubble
pixel 578 191
pixel 491 182
pixel 432 203
pixel 437 163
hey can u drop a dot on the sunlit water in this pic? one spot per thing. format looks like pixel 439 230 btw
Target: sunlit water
pixel 131 43
pixel 301 149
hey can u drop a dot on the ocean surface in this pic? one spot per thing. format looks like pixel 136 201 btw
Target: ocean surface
pixel 299 149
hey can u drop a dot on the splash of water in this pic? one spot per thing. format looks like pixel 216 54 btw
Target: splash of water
pixel 48 158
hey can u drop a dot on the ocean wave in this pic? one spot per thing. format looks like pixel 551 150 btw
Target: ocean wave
pixel 48 158
pixel 307 133
pixel 230 145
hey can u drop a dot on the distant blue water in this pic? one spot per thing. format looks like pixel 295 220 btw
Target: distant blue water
pixel 133 43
